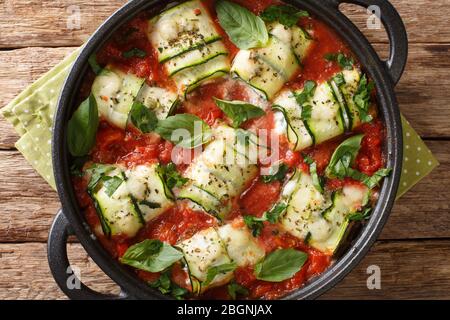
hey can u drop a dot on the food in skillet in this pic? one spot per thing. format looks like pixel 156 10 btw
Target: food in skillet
pixel 226 149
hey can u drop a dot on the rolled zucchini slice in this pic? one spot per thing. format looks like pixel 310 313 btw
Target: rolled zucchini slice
pixel 118 212
pixel 266 69
pixel 305 205
pixel 162 101
pixel 114 92
pixel 195 57
pixel 348 90
pixel 345 202
pixel 326 118
pixel 288 121
pixel 321 219
pixel 180 29
pixel 148 190
pixel 241 246
pixel 202 252
pixel 189 79
pixel 221 172
pixel 301 42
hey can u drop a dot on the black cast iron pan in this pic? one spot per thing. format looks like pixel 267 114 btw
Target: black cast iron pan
pixel 70 220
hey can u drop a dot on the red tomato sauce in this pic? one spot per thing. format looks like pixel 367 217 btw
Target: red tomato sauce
pixel 131 148
pixel 272 239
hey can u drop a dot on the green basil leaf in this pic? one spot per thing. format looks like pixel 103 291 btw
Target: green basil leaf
pixel 274 214
pixel 143 118
pixel 360 216
pixel 172 178
pixel 185 130
pixel 254 224
pixel 239 111
pixel 280 265
pixel 245 29
pixel 94 64
pixel 362 98
pixel 235 289
pixel 82 128
pixel 111 184
pixel 285 14
pixel 373 181
pixel 276 173
pixel 344 157
pixel 213 272
pixel 151 256
pixel 135 52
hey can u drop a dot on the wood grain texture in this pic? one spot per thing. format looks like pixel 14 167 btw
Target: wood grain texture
pixel 29 205
pixel 54 23
pixel 404 272
pixel 418 92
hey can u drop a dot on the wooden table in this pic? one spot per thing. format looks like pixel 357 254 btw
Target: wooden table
pixel 413 252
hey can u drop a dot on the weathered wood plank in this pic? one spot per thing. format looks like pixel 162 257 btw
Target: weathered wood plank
pixel 405 274
pixel 28 204
pixel 418 92
pixel 25 273
pixel 69 23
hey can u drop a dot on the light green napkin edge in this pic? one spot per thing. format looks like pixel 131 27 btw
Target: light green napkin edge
pixel 35 133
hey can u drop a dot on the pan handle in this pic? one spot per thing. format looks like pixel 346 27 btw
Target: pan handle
pixel 60 265
pixel 395 29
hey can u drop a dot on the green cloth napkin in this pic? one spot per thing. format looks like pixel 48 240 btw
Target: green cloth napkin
pixel 31 113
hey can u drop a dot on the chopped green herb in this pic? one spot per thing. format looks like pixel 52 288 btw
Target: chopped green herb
pixel 277 173
pixel 254 224
pixel 274 214
pixel 111 184
pixel 373 181
pixel 317 181
pixel 306 112
pixel 362 98
pixel 308 91
pixel 360 216
pixel 171 177
pixel 235 289
pixel 285 14
pixel 135 52
pixel 97 171
pixel 344 61
pixel 166 286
